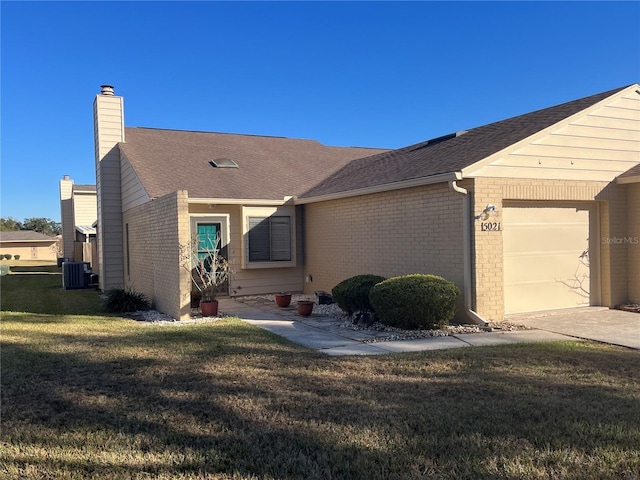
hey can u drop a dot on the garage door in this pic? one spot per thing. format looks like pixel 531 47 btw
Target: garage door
pixel 546 263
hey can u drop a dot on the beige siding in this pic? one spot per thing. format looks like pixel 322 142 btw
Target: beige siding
pixel 633 239
pixel 66 216
pixel 253 281
pixel 109 130
pixel 31 251
pixel 152 237
pixel 133 193
pixel 85 208
pixel 595 145
pixel 417 230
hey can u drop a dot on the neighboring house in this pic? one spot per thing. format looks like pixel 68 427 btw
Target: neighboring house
pixel 79 213
pixel 28 244
pixel 537 212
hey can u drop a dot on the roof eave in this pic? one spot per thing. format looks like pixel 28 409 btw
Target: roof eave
pixel 386 187
pixel 628 179
pixel 242 201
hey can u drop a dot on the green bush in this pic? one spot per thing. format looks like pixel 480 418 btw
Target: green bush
pixel 352 294
pixel 120 300
pixel 16 257
pixel 7 256
pixel 415 301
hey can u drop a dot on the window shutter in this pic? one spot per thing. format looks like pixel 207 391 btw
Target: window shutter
pixel 280 238
pixel 258 239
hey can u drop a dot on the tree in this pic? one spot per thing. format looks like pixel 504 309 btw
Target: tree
pixel 9 224
pixel 42 225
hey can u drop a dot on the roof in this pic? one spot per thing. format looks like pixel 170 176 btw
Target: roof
pixel 446 154
pixel 269 167
pixel 86 229
pixel 84 188
pixel 630 176
pixel 24 236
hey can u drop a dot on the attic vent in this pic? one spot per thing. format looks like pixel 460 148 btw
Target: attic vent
pixel 441 139
pixel 223 163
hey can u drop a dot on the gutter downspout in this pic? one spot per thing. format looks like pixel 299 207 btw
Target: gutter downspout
pixel 466 233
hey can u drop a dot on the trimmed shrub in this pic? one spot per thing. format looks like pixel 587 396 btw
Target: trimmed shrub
pixel 415 301
pixel 16 257
pixel 7 256
pixel 352 294
pixel 120 300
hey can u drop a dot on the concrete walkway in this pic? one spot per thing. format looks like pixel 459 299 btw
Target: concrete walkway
pixel 592 323
pixel 325 335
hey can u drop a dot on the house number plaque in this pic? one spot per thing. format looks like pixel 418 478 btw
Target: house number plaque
pixel 490 226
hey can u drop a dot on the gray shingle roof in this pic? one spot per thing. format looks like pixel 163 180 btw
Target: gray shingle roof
pixel 449 155
pixel 632 172
pixel 25 236
pixel 270 167
pixel 84 188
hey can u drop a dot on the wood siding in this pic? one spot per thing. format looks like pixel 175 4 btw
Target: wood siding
pixel 66 216
pixel 85 208
pixel 109 131
pixel 597 144
pixel 133 193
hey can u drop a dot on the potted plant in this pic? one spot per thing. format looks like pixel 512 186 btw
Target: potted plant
pixel 305 307
pixel 208 269
pixel 283 299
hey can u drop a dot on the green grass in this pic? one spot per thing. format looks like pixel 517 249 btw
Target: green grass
pixel 91 396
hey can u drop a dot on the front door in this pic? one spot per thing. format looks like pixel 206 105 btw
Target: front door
pixel 209 238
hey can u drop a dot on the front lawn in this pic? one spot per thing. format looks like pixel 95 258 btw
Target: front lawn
pixel 87 395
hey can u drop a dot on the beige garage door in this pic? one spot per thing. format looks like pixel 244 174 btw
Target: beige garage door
pixel 546 263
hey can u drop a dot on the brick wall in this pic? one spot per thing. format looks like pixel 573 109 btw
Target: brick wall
pixel 417 230
pixel 153 233
pixel 488 247
pixel 613 255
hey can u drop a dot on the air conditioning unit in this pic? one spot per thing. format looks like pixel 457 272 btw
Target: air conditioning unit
pixel 75 275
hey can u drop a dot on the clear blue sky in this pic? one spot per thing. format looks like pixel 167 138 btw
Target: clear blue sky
pixel 379 74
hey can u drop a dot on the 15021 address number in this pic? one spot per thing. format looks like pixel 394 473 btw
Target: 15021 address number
pixel 490 226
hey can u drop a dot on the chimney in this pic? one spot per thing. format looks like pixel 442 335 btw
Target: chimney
pixel 66 216
pixel 108 115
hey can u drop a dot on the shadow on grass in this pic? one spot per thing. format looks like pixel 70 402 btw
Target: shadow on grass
pixel 225 399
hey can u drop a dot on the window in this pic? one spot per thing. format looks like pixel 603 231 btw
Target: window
pixel 270 239
pixel 269 235
pixel 208 238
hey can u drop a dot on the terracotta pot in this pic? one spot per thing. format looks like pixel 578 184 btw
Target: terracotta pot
pixel 305 307
pixel 209 309
pixel 283 299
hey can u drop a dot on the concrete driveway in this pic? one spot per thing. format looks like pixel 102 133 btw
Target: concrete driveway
pixel 591 323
